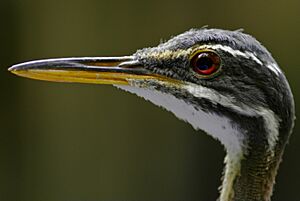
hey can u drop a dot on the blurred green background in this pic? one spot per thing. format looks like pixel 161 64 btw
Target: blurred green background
pixel 76 142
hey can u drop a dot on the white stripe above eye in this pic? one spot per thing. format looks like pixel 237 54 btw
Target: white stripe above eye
pixel 234 52
pixel 274 67
pixel 249 55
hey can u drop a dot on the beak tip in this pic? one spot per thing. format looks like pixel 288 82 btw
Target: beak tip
pixel 18 67
pixel 12 69
pixel 15 69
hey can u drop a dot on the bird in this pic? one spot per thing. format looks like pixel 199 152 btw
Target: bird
pixel 223 82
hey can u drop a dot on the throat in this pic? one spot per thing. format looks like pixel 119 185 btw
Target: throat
pixel 219 127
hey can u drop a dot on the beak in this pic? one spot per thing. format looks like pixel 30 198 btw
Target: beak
pixel 96 70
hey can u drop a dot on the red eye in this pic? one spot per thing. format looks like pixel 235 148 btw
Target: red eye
pixel 205 63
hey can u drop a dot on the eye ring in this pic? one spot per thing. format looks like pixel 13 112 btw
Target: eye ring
pixel 205 63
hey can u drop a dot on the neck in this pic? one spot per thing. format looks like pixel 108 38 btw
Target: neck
pixel 251 176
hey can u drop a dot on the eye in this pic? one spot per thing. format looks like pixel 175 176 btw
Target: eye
pixel 205 63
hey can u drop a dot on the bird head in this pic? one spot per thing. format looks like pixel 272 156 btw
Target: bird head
pixel 223 82
pixel 219 81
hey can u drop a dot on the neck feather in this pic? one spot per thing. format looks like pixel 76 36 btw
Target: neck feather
pixel 251 177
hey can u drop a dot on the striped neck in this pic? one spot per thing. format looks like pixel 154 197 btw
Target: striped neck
pixel 251 177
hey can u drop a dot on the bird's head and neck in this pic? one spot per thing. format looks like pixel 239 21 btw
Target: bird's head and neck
pixel 223 82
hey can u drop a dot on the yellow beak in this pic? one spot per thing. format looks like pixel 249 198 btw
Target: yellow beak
pixel 95 70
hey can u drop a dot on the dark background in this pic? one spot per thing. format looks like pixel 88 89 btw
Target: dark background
pixel 76 142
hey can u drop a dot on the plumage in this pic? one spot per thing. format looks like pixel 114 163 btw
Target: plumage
pixel 223 82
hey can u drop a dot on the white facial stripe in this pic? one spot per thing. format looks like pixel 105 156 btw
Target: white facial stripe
pixel 253 56
pixel 271 125
pixel 271 120
pixel 215 97
pixel 233 52
pixel 248 55
pixel 272 66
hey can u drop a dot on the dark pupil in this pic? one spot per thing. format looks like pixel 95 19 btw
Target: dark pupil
pixel 204 63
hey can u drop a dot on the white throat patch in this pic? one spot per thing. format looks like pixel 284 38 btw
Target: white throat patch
pixel 219 127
